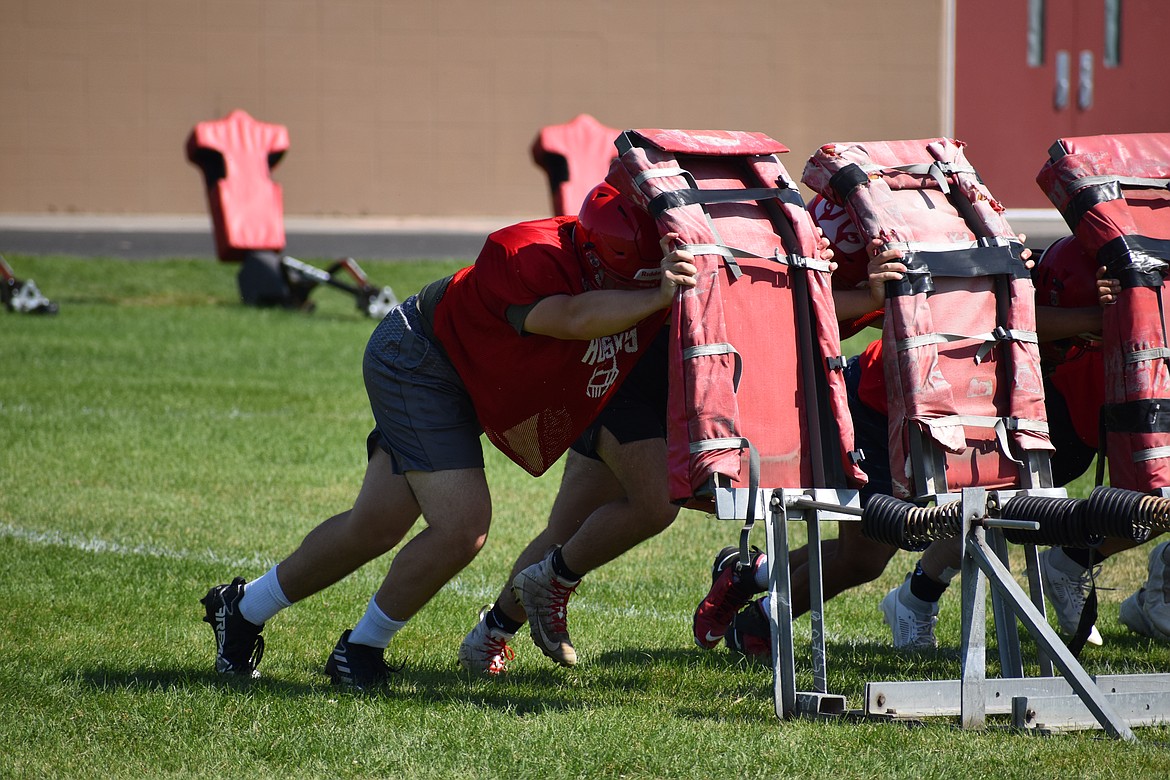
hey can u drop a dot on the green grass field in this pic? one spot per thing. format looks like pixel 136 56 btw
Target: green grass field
pixel 157 438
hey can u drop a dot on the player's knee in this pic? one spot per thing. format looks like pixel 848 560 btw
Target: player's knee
pixel 470 547
pixel 655 516
pixel 649 498
pixel 377 531
pixel 464 540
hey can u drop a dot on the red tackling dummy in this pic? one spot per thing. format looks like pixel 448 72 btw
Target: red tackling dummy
pixel 236 154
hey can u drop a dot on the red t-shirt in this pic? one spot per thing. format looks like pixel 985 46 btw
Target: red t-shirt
pixel 1081 380
pixel 871 390
pixel 533 394
pixel 1067 276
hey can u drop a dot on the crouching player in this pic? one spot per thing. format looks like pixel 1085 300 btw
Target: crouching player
pixel 502 347
pixel 613 496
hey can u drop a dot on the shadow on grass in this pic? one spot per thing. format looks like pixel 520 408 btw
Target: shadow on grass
pixel 526 691
pixel 860 660
pixel 529 692
pixel 534 687
pixel 701 685
pixel 156 680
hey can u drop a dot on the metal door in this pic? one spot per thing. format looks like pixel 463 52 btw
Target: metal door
pixel 1030 71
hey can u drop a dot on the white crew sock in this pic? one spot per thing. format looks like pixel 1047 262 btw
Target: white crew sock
pixel 263 598
pixel 376 628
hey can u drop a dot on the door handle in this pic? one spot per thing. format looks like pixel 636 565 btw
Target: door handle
pixel 1061 91
pixel 1085 81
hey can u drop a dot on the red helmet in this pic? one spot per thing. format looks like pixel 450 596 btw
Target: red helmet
pixel 617 240
pixel 1066 275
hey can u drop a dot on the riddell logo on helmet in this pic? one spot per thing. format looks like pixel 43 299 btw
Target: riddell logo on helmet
pixel 596 270
pixel 642 277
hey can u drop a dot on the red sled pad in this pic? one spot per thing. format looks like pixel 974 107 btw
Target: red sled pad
pixel 757 397
pixel 1113 192
pixel 962 367
pixel 237 154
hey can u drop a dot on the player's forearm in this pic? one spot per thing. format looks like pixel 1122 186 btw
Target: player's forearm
pixel 594 314
pixel 1053 322
pixel 851 304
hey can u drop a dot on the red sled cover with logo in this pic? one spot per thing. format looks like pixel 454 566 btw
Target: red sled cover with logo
pixel 962 365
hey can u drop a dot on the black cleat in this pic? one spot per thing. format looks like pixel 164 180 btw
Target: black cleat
pixel 238 643
pixel 750 632
pixel 360 667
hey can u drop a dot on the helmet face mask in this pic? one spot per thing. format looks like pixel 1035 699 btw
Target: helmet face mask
pixel 1066 276
pixel 617 241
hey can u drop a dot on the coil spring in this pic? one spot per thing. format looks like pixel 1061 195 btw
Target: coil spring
pixel 1118 512
pixel 909 527
pixel 1063 521
pixel 1154 512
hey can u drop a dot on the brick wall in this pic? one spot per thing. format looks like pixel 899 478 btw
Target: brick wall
pixel 429 108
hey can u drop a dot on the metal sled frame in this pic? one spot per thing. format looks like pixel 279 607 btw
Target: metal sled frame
pixel 372 301
pixel 1041 703
pixel 1044 704
pixel 22 295
pixel 778 507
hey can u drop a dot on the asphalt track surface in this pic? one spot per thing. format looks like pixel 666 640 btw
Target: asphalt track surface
pixel 145 238
pixel 148 238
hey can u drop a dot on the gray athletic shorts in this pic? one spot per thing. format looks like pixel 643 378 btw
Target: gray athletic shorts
pixel 637 410
pixel 423 415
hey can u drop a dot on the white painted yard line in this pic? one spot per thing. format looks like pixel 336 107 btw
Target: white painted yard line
pixel 132 412
pixel 105 547
pixel 480 591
